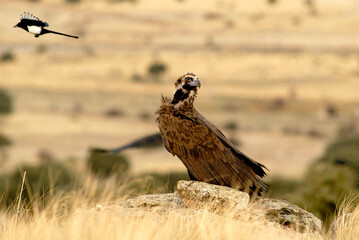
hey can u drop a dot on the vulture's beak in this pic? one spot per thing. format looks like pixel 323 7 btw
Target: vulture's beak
pixel 195 83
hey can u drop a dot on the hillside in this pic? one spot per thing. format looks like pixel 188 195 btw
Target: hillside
pixel 272 69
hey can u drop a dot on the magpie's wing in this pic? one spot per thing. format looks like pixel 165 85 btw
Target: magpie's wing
pixel 30 19
pixel 148 141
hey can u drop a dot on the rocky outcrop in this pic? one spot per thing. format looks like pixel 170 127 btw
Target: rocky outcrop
pixel 283 213
pixel 214 198
pixel 219 199
pixel 155 201
pixel 197 197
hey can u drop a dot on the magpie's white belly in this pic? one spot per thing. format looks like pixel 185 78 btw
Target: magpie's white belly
pixel 34 29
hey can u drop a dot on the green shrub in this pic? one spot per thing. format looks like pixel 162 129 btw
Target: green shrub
pixel 157 182
pixel 156 69
pixel 73 1
pixel 41 49
pixel 114 113
pixel 41 180
pixel 6 104
pixel 137 78
pixel 283 188
pixel 348 129
pixel 145 116
pixel 231 125
pixel 7 57
pixel 325 187
pixel 332 177
pixel 343 152
pixel 327 181
pixel 4 141
pixel 235 142
pixel 272 1
pixel 210 41
pixel 120 1
pixel 105 164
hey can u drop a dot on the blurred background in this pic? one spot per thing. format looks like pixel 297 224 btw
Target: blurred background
pixel 280 78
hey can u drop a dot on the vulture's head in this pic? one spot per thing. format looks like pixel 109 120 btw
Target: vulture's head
pixel 186 89
pixel 188 82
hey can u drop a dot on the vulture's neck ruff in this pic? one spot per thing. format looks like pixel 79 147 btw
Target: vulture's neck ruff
pixel 186 91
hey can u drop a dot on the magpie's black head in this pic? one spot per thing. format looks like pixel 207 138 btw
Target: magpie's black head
pixel 21 24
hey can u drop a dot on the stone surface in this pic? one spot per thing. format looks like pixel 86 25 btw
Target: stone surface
pixel 284 213
pixel 200 195
pixel 214 198
pixel 140 206
pixel 155 201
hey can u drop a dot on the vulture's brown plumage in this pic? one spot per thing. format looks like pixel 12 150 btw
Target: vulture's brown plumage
pixel 207 154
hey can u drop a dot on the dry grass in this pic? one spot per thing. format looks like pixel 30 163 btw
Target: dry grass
pixel 148 226
pixel 347 222
pixel 77 215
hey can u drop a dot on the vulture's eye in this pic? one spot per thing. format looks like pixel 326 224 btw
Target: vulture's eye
pixel 188 79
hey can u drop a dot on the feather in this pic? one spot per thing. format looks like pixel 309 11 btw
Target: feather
pixel 29 16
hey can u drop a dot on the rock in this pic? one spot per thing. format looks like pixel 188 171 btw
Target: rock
pixel 214 198
pixel 134 207
pixel 155 201
pixel 195 199
pixel 200 195
pixel 284 213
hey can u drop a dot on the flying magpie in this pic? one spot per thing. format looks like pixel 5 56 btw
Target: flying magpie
pixel 34 25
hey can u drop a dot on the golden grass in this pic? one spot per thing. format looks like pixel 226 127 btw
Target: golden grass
pixel 92 213
pixel 148 225
pixel 347 221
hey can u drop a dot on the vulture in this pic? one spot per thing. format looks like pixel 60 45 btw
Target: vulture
pixel 204 150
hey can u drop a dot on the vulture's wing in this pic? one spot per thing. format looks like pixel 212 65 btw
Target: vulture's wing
pixel 210 157
pixel 257 167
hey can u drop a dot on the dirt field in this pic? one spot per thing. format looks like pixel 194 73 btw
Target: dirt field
pixel 271 69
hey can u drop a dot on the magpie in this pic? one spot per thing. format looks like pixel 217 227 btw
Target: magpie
pixel 34 25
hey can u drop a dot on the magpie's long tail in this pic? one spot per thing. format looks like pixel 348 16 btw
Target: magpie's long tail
pixel 148 141
pixel 44 31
